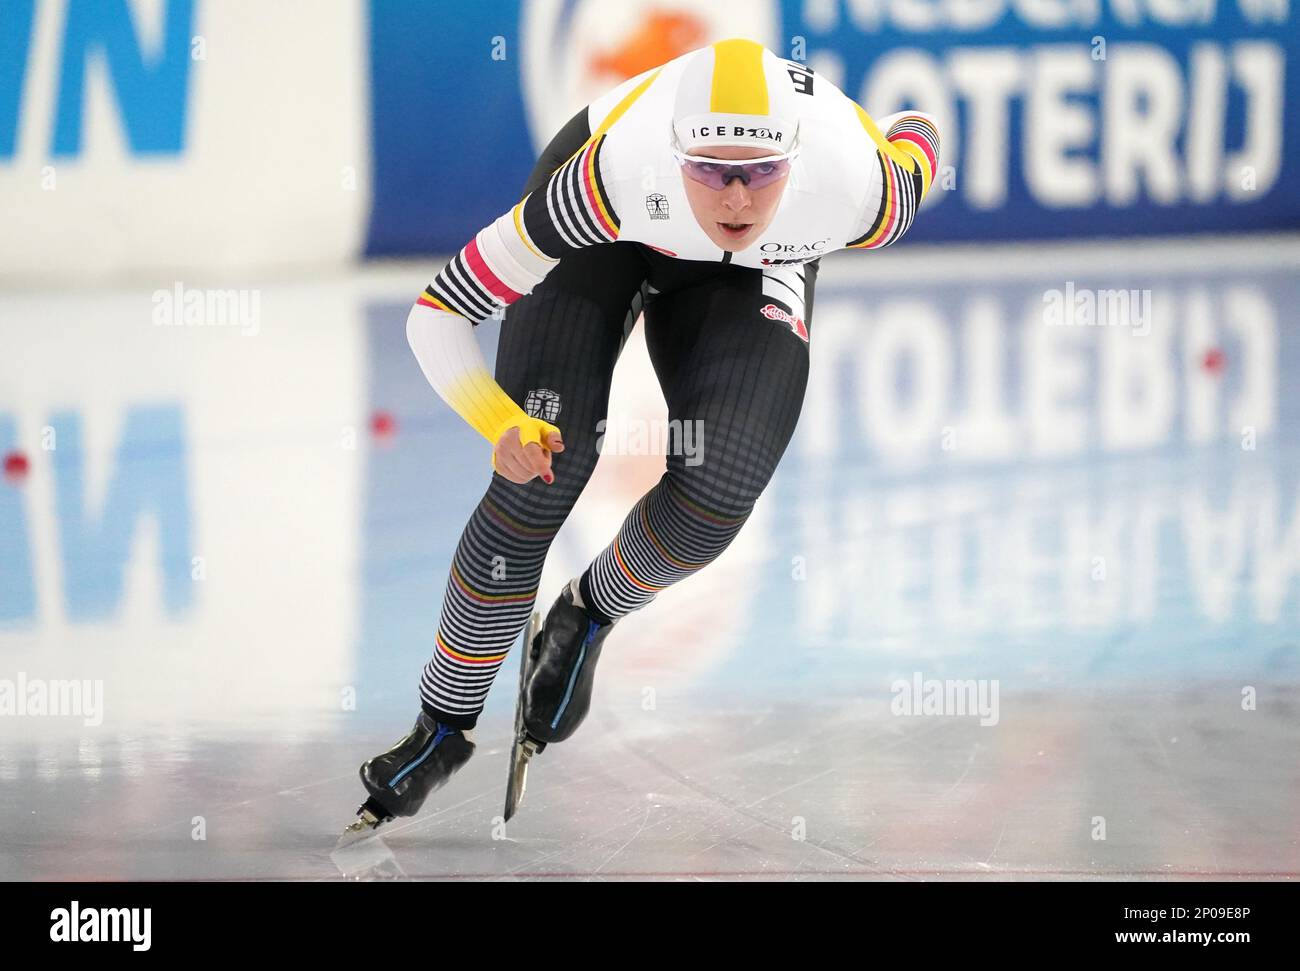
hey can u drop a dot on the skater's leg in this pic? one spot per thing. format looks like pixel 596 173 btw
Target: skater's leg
pixel 737 376
pixel 556 356
pixel 557 350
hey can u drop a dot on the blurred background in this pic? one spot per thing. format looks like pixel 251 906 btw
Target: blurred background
pixel 230 498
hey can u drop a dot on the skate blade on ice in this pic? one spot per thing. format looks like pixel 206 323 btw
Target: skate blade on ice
pixel 366 859
pixel 353 834
pixel 525 750
pixel 523 746
pixel 368 820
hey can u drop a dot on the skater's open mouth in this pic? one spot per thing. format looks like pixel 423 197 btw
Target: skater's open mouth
pixel 735 230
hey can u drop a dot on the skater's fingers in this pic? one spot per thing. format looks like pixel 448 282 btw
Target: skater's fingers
pixel 508 464
pixel 511 434
pixel 538 461
pixel 522 467
pixel 517 475
pixel 536 458
pixel 523 474
pixel 509 457
pixel 504 447
pixel 520 463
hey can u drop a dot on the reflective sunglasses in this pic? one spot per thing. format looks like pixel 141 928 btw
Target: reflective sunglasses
pixel 716 173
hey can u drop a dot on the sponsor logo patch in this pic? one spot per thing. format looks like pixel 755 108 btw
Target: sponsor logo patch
pixel 796 324
pixel 793 249
pixel 737 131
pixel 656 203
pixel 542 403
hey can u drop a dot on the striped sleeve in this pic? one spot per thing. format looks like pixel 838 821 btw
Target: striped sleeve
pixel 504 261
pixel 444 344
pixel 571 209
pixel 908 156
pixel 508 258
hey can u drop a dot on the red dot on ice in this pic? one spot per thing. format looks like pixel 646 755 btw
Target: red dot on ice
pixel 16 466
pixel 383 424
pixel 1214 360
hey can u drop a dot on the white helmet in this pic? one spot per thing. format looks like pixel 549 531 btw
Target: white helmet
pixel 735 93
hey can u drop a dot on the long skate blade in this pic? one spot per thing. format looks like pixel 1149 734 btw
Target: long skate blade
pixel 354 834
pixel 363 828
pixel 367 858
pixel 518 781
pixel 523 753
pixel 517 776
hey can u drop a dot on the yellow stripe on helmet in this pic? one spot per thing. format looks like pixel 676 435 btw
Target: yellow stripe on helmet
pixel 739 84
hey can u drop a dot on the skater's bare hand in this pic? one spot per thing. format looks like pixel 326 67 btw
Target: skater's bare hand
pixel 521 463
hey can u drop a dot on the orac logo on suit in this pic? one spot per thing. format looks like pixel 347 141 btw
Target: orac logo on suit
pixel 784 254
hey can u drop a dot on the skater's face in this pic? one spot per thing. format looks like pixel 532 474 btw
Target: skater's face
pixel 734 216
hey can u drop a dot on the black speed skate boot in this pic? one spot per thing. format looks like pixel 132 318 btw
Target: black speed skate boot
pixel 402 778
pixel 556 675
pixel 562 670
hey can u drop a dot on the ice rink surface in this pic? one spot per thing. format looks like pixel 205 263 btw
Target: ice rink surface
pixel 1095 530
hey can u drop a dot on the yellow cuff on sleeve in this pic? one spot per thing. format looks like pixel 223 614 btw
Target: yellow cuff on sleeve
pixel 491 412
pixel 531 431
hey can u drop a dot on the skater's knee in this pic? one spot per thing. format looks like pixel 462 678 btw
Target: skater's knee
pixel 725 489
pixel 534 506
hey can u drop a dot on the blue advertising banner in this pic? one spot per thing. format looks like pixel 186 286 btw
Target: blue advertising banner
pixel 1080 117
pixel 1061 118
pixel 451 144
